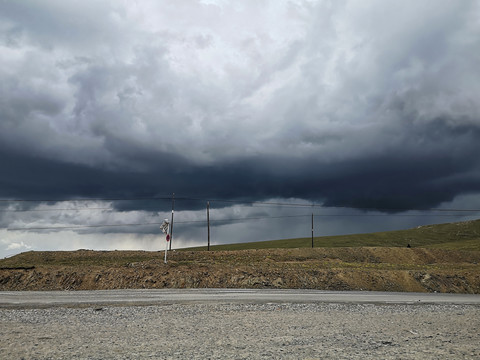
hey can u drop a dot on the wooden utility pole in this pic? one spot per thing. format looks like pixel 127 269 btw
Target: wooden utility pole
pixel 312 230
pixel 208 224
pixel 171 224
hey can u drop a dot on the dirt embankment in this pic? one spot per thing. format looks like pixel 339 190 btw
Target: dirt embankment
pixel 381 269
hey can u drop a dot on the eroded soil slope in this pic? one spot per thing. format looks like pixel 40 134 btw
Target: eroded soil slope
pixel 382 269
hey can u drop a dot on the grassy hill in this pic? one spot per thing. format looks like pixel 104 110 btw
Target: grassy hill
pixel 442 258
pixel 453 236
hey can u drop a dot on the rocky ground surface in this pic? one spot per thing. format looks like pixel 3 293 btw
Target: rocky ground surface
pixel 376 269
pixel 243 331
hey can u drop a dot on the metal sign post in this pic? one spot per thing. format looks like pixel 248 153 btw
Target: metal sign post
pixel 165 229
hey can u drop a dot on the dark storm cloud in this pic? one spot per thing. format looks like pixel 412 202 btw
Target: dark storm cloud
pixel 404 176
pixel 347 104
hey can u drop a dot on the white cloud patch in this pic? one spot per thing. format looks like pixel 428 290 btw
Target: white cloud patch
pixel 18 246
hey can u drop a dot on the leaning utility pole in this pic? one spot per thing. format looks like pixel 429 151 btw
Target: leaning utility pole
pixel 171 224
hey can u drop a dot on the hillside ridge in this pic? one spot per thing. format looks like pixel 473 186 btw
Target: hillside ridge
pixel 441 258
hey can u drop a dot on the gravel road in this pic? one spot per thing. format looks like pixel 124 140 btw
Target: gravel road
pixel 32 299
pixel 243 331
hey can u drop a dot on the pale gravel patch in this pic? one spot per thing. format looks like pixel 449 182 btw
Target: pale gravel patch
pixel 243 331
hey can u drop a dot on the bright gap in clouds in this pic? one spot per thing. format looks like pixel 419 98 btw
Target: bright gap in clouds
pixel 231 224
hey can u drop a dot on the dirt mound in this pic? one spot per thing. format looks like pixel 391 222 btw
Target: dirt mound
pixel 381 269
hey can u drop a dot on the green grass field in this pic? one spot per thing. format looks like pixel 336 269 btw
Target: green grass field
pixel 454 236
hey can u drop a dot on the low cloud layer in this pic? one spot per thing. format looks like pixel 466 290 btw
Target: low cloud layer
pixel 347 103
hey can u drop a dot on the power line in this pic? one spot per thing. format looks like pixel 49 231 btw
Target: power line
pixel 89 199
pixel 221 220
pixel 313 205
pixel 253 205
pixel 330 215
pixel 76 209
pixel 241 202
pixel 258 218
pixel 80 226
pixel 56 209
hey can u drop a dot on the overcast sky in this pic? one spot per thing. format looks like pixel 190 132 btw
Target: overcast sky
pixel 351 104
